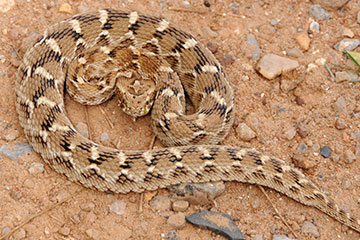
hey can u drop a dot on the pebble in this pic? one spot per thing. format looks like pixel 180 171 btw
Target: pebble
pixel 172 235
pixel 325 151
pixel 13 151
pixel 28 183
pixel 342 76
pixel 358 17
pixel 5 231
pixel 346 32
pixel 281 237
pixel 177 221
pixel 180 205
pixel 303 162
pixel 299 101
pixel 65 8
pixel 317 12
pixel 217 222
pixel 255 203
pixel 212 47
pixel 11 136
pixel 65 231
pixel 273 22
pixel 62 194
pixel 104 137
pixel 87 207
pixel 118 207
pixel 346 183
pixel 245 133
pixel 314 26
pixel 16 194
pixel 347 44
pixel 225 59
pixel 290 133
pixel 83 129
pixel 161 202
pixel 302 148
pixel 271 65
pixel 349 156
pixel 302 130
pixel 340 124
pixel 310 228
pixel 335 158
pixel 303 40
pixel 253 47
pixel 294 52
pixel 36 168
pixel 209 32
pixel 355 135
pixel 340 105
pixel 258 237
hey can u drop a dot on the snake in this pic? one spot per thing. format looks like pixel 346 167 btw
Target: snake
pixel 153 67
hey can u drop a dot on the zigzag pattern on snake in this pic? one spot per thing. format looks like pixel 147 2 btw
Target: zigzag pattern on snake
pixel 97 52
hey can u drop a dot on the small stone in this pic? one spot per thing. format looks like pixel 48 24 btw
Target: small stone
pixel 89 232
pixel 255 203
pixel 349 156
pixel 245 133
pixel 19 234
pixel 118 207
pixel 5 231
pixel 177 221
pixel 355 135
pixel 314 26
pixel 161 203
pixel 65 8
pixel 340 105
pixel 346 183
pixel 317 12
pixel 217 222
pixel 104 137
pixel 273 22
pixel 299 101
pixel 303 40
pixel 225 59
pixel 346 32
pixel 62 194
pixel 16 194
pixel 212 47
pixel 294 52
pixel 340 124
pixel 65 231
pixel 253 50
pixel 303 162
pixel 358 17
pixel 211 190
pixel 335 158
pixel 281 237
pixel 290 133
pixel 258 237
pixel 83 129
pixel 13 151
pixel 87 207
pixel 271 65
pixel 341 76
pixel 6 5
pixel 209 32
pixel 180 205
pixel 347 44
pixel 310 228
pixel 302 148
pixel 302 130
pixel 11 136
pixel 172 235
pixel 36 168
pixel 325 151
pixel 28 183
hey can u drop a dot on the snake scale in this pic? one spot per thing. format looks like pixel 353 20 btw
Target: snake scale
pixel 97 52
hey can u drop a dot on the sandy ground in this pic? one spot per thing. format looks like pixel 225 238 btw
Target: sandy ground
pixel 271 112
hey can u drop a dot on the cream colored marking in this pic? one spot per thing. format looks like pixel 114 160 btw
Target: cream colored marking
pixel 217 97
pixel 190 43
pixel 150 169
pixel 93 166
pixel 303 181
pixel 125 172
pixel 241 153
pixel 46 101
pixel 286 168
pixel 104 33
pixel 122 158
pixel 264 158
pixel 94 152
pixel 170 115
pixel 162 25
pixel 80 41
pixel 204 151
pixel 43 135
pixel 53 45
pixel 175 152
pixel 167 69
pixel 105 49
pixel 179 165
pixel 209 68
pixel 66 154
pixel 103 16
pixel 43 72
pixel 209 163
pixel 129 35
pixel 147 156
pixel 75 24
pixel 154 41
pixel 260 168
pixel 82 60
pixel 57 127
pixel 168 92
pixel 133 17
